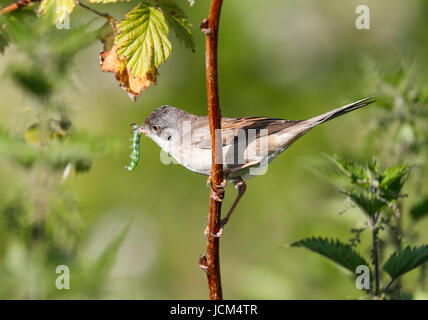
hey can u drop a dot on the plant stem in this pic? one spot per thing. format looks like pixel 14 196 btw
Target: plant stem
pixel 388 285
pixel 104 15
pixel 375 255
pixel 16 5
pixel 211 261
pixel 22 3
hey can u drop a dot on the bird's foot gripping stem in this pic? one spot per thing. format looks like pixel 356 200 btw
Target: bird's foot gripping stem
pixel 217 190
pixel 241 186
pixel 219 234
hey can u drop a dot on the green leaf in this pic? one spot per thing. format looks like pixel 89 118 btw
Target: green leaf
pixel 101 268
pixel 32 79
pixel 67 43
pixel 4 39
pixel 395 77
pixel 17 149
pixel 107 259
pixel 143 39
pixel 177 20
pixel 392 180
pixel 406 260
pixel 19 32
pixel 106 35
pixel 356 171
pixel 340 253
pixel 420 209
pixel 372 190
pixel 59 8
pixel 366 201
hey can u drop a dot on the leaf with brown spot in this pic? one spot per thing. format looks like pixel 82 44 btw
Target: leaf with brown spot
pixel 111 62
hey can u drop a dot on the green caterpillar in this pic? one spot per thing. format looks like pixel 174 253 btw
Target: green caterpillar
pixel 135 154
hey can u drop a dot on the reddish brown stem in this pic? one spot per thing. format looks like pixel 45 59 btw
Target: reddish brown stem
pixel 22 3
pixel 16 5
pixel 212 259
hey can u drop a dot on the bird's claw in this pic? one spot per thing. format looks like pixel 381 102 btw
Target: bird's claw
pixel 217 195
pixel 218 191
pixel 219 234
pixel 210 184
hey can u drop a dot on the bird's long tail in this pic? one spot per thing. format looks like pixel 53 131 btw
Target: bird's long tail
pixel 312 122
pixel 292 133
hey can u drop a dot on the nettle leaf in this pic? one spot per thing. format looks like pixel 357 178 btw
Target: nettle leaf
pixel 143 40
pixel 420 209
pixel 372 190
pixel 367 201
pixel 392 180
pixel 59 8
pixel 177 20
pixel 338 252
pixel 31 78
pixel 405 261
pixel 356 171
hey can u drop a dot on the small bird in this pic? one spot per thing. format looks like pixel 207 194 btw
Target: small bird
pixel 249 144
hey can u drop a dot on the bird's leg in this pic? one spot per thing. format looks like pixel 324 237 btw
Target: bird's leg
pixel 241 186
pixel 217 195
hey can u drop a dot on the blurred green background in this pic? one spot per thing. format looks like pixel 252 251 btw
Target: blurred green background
pixel 289 59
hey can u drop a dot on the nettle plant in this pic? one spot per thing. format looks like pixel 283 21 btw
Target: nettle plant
pixel 402 120
pixel 375 193
pixel 41 221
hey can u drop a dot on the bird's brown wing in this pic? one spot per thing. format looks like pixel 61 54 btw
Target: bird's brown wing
pixel 201 137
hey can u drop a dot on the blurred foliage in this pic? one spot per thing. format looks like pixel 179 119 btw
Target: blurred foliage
pixel 42 222
pixel 59 113
pixel 48 51
pixel 76 149
pixel 420 209
pixel 58 9
pixel 399 135
pixel 4 39
pixel 403 116
pixel 375 192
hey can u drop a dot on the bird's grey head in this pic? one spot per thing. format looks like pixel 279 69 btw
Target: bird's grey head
pixel 164 125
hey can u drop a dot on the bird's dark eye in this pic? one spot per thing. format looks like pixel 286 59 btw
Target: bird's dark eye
pixel 169 138
pixel 155 128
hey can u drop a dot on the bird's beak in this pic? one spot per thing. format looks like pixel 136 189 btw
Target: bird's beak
pixel 142 130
